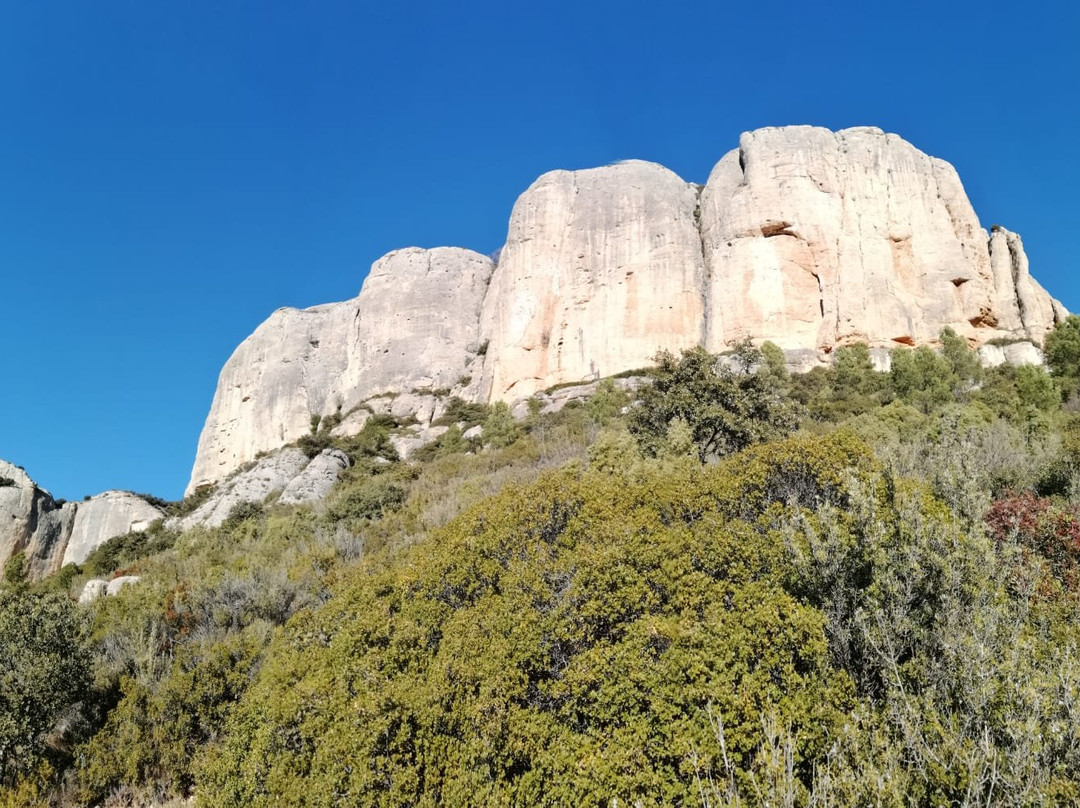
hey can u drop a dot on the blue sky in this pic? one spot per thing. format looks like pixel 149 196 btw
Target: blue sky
pixel 170 173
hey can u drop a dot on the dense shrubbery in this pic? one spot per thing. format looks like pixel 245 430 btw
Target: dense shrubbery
pixel 559 644
pixel 575 608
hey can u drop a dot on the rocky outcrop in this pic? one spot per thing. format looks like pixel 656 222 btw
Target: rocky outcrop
pixel 810 238
pixel 31 522
pixel 101 517
pixel 51 534
pixel 317 478
pixel 414 326
pixel 816 239
pixel 267 475
pixel 287 472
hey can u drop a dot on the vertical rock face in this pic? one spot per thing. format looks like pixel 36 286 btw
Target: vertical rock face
pixel 98 519
pixel 415 324
pixel 814 238
pixel 30 522
pixel 1021 304
pixel 802 236
pixel 600 269
pixel 50 534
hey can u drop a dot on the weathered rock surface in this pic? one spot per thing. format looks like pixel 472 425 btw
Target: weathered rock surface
pixel 816 239
pixel 269 474
pixel 317 478
pixel 810 238
pixel 601 268
pixel 51 534
pixel 414 325
pixel 407 443
pixel 351 424
pixel 92 590
pixel 113 587
pixel 98 519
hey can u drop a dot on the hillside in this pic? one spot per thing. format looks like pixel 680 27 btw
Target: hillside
pixel 843 587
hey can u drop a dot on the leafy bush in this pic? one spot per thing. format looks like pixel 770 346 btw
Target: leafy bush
pixel 726 404
pixel 560 644
pixel 45 670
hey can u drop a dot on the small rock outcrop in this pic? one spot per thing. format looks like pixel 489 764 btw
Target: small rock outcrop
pixel 92 590
pixel 317 478
pixel 287 472
pixel 98 519
pixel 267 475
pixel 98 588
pixel 809 238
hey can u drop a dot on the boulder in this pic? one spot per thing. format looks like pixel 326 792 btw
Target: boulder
pixel 991 356
pixel 92 590
pixel 116 584
pixel 317 478
pixel 1023 353
pixel 351 424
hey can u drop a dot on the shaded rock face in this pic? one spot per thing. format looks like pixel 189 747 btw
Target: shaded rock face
pixel 809 238
pixel 49 534
pixel 414 325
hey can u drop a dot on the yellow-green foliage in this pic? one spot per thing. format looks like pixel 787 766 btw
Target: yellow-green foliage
pixel 560 644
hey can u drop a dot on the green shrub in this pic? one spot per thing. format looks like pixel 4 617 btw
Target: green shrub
pixel 44 670
pixel 560 644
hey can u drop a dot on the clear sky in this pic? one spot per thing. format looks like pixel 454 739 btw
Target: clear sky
pixel 172 172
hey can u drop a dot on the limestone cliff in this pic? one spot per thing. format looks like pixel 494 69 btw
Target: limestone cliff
pixel 414 325
pixel 50 533
pixel 600 267
pixel 803 236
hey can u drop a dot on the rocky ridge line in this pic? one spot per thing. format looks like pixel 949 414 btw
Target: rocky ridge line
pixel 806 237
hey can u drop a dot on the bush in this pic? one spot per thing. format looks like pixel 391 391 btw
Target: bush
pixel 45 670
pixel 726 404
pixel 560 644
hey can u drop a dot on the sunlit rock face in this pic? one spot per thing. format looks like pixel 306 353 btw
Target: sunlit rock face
pixel 100 518
pixel 814 238
pixel 414 325
pixel 600 269
pixel 809 238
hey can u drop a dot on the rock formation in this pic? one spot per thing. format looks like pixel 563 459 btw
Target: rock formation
pixel 51 534
pixel 414 325
pixel 600 268
pixel 101 517
pixel 287 471
pixel 809 238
